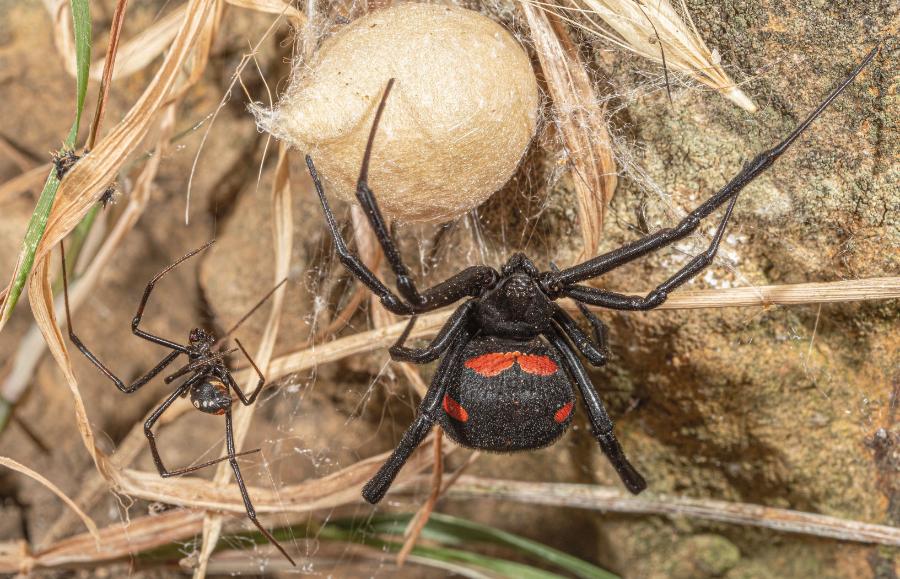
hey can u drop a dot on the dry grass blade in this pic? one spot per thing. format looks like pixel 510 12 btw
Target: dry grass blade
pixel 656 31
pixel 143 48
pixel 83 185
pixel 118 541
pixel 88 522
pixel 272 7
pixel 336 489
pixel 283 234
pixel 581 122
pixel 106 77
pixel 609 499
pixel 427 325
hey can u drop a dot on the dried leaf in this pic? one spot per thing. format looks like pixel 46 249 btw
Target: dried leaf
pixel 581 122
pixel 656 31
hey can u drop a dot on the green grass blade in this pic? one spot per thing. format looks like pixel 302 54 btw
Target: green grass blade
pixel 81 21
pixel 454 531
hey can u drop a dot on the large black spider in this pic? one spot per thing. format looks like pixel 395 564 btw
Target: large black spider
pixel 208 385
pixel 505 382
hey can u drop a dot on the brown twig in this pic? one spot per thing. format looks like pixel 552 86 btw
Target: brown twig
pixel 609 499
pixel 115 33
pixel 418 522
pixel 427 325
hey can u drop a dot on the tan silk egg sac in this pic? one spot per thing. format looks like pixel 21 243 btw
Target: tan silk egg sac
pixel 457 122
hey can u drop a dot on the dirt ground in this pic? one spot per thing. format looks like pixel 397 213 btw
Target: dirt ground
pixel 792 407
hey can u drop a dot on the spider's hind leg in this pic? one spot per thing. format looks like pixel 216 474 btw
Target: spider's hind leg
pixel 601 423
pixel 248 505
pixel 127 389
pixel 378 485
pixel 151 437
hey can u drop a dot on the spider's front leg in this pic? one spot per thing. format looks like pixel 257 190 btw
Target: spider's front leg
pixel 351 261
pixel 617 301
pixel 555 282
pixel 378 485
pixel 127 389
pixel 138 316
pixel 601 423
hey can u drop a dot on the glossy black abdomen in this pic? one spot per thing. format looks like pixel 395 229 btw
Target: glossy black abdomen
pixel 507 395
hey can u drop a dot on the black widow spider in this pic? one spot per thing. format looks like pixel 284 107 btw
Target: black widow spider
pixel 499 386
pixel 208 385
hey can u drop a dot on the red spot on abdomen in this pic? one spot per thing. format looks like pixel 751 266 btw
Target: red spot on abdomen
pixel 491 364
pixel 496 362
pixel 454 409
pixel 540 365
pixel 563 412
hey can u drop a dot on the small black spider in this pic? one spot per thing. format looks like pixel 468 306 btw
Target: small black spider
pixel 209 385
pixel 64 160
pixel 505 382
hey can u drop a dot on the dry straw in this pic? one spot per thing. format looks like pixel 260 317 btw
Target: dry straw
pixel 655 30
pixel 581 122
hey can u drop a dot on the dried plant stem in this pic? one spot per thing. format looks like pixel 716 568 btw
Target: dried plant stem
pixel 580 119
pixel 88 522
pixel 115 33
pixel 143 48
pixel 656 31
pixel 418 522
pixel 117 541
pixel 334 490
pixel 283 237
pixel 427 325
pixel 609 499
pixel 279 7
pixel 148 532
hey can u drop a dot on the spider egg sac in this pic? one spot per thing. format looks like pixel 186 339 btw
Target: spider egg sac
pixel 457 122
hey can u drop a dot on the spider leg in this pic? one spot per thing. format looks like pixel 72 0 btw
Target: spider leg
pixel 352 261
pixel 468 282
pixel 613 259
pixel 378 485
pixel 597 351
pixel 196 365
pixel 151 438
pixel 251 512
pixel 127 389
pixel 445 337
pixel 601 423
pixel 657 296
pixel 366 199
pixel 148 290
pixel 229 379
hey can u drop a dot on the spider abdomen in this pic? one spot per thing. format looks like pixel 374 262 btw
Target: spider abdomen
pixel 210 396
pixel 506 396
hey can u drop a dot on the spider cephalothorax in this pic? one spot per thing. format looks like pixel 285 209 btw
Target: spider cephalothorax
pixel 209 383
pixel 509 369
